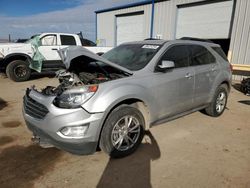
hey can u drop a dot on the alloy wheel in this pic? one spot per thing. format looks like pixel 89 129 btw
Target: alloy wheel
pixel 125 133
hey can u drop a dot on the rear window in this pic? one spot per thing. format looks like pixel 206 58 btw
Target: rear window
pixel 220 52
pixel 67 40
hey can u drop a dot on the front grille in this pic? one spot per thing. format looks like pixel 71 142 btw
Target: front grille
pixel 34 108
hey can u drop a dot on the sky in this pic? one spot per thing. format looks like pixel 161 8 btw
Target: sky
pixel 24 18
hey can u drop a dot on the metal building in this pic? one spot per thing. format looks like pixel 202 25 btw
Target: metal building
pixel 226 22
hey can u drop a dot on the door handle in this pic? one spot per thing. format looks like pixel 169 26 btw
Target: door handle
pixel 54 49
pixel 213 68
pixel 188 75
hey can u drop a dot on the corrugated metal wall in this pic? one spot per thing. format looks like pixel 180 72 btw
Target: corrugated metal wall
pixel 166 12
pixel 164 20
pixel 106 23
pixel 239 51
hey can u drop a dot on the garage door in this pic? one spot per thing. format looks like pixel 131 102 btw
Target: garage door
pixel 209 21
pixel 129 28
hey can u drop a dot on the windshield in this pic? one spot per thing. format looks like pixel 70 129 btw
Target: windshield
pixel 132 56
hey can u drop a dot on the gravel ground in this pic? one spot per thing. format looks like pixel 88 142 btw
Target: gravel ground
pixel 192 151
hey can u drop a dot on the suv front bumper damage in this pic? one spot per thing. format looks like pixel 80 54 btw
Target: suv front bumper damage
pixel 46 130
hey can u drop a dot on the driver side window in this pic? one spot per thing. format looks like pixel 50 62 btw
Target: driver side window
pixel 49 40
pixel 178 54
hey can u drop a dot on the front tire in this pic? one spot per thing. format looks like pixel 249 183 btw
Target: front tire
pixel 122 132
pixel 18 70
pixel 219 102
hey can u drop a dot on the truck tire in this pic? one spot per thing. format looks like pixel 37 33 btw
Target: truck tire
pixel 219 102
pixel 18 70
pixel 122 132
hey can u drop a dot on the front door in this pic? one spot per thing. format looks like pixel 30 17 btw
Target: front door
pixel 175 88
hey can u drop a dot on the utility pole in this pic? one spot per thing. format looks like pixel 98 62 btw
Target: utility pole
pixel 9 38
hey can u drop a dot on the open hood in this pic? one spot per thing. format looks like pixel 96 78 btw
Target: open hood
pixel 69 53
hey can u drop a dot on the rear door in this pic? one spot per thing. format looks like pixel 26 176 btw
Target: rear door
pixel 175 88
pixel 206 68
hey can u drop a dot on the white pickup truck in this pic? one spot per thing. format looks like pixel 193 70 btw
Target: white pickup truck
pixel 15 58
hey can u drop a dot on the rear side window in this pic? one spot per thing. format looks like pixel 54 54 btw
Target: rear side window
pixel 178 54
pixel 220 52
pixel 67 40
pixel 200 55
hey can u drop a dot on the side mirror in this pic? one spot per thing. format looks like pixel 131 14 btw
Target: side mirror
pixel 165 65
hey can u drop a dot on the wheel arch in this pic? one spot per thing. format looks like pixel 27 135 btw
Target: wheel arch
pixel 15 56
pixel 135 102
pixel 218 82
pixel 227 83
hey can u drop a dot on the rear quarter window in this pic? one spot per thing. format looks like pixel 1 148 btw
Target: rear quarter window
pixel 220 52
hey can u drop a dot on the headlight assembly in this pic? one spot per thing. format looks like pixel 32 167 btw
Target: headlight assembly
pixel 75 100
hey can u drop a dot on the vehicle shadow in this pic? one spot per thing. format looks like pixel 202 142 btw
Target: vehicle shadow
pixel 247 102
pixel 3 104
pixel 134 170
pixel 237 86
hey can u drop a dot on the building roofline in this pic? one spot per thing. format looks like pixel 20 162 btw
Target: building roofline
pixel 127 6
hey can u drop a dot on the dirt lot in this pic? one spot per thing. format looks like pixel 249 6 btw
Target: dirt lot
pixel 193 151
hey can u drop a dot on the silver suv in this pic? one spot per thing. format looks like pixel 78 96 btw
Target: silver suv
pixel 109 101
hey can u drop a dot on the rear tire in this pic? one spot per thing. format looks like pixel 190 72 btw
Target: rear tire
pixel 18 70
pixel 219 102
pixel 122 132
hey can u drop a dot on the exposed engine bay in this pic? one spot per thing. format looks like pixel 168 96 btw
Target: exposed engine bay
pixel 93 73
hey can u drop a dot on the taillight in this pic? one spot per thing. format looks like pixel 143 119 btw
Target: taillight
pixel 231 67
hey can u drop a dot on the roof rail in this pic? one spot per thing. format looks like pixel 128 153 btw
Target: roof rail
pixel 196 39
pixel 152 39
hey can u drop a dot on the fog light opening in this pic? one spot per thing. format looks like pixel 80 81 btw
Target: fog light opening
pixel 73 132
